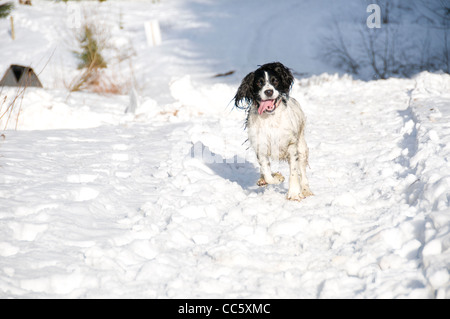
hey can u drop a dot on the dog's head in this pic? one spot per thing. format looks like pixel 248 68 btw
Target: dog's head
pixel 264 88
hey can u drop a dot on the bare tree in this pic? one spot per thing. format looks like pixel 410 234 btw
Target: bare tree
pixel 337 51
pixel 437 16
pixel 391 50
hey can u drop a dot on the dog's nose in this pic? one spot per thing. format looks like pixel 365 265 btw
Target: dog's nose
pixel 268 93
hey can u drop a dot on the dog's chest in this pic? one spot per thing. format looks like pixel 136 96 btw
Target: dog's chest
pixel 272 134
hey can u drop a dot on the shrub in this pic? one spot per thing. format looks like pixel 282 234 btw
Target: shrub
pixel 91 59
pixel 5 9
pixel 90 55
pixel 413 37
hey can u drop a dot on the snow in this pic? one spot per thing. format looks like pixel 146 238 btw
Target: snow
pixel 163 202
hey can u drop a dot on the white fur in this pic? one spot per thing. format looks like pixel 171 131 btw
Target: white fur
pixel 268 86
pixel 280 136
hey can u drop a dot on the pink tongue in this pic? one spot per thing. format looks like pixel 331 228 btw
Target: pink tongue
pixel 266 105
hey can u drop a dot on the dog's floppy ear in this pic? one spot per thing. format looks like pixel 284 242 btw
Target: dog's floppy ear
pixel 244 92
pixel 286 75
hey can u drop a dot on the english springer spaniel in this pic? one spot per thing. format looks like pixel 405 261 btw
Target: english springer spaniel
pixel 276 126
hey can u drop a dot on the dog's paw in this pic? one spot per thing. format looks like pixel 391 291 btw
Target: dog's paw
pixel 307 192
pixel 298 196
pixel 295 196
pixel 261 182
pixel 277 178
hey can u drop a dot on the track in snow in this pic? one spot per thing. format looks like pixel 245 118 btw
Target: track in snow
pixel 132 210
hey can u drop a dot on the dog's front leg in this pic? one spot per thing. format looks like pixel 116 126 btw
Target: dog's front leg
pixel 266 173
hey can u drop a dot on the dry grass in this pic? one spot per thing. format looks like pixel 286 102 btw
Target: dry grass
pixel 97 74
pixel 9 104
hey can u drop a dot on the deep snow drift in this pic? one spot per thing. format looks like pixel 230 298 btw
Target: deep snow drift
pixel 163 203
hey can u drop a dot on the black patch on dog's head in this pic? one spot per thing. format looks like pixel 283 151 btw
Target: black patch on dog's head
pixel 280 78
pixel 283 75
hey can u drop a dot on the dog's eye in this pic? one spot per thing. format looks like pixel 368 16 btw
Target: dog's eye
pixel 274 81
pixel 260 82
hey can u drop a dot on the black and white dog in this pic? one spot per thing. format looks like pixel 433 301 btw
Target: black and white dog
pixel 276 125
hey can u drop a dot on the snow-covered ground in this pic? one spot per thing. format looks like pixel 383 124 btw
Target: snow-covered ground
pixel 163 203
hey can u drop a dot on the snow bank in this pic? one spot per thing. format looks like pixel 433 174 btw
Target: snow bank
pixel 158 206
pixel 430 113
